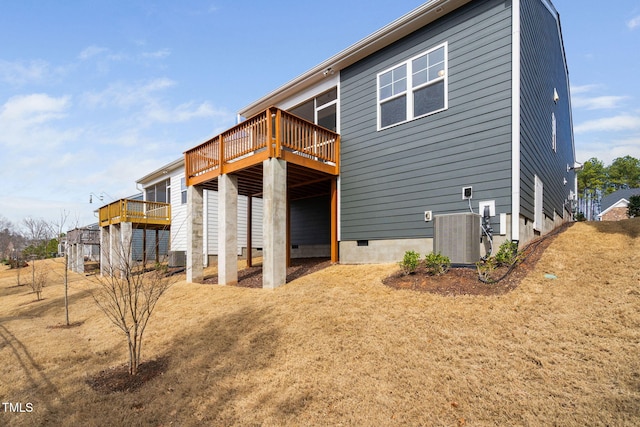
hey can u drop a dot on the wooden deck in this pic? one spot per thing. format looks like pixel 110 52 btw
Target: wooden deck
pixel 272 133
pixel 139 213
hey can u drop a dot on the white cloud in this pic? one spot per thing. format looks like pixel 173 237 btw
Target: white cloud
pixel 125 95
pixel 91 51
pixel 597 102
pixel 162 53
pixel 622 122
pixel 19 73
pixel 16 208
pixel 608 149
pixel 30 132
pixel 583 89
pixel 634 23
pixel 183 113
pixel 25 110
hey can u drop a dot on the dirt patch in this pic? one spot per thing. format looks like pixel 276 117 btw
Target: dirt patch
pixel 117 379
pixel 65 326
pixel 251 277
pixel 465 281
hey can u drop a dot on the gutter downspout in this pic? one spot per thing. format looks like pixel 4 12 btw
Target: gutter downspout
pixel 515 120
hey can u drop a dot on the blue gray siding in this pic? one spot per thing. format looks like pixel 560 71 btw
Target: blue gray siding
pixel 390 177
pixel 542 70
pixel 311 221
pixel 138 241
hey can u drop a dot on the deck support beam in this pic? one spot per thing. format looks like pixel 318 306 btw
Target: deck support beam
pixel 334 221
pixel 195 233
pixel 249 231
pixel 227 230
pixel 274 227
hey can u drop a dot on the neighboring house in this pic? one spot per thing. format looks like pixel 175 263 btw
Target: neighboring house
pixel 167 184
pixel 82 244
pixel 615 206
pixel 131 230
pixel 401 141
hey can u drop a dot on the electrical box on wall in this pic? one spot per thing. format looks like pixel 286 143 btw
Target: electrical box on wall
pixel 428 216
pixel 491 204
pixel 467 193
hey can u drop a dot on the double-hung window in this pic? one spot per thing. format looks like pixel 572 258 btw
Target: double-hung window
pixel 183 191
pixel 414 88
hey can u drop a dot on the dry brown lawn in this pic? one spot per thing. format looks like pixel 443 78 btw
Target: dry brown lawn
pixel 337 347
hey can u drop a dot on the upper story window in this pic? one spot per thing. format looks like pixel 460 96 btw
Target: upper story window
pixel 159 192
pixel 414 88
pixel 321 110
pixel 183 191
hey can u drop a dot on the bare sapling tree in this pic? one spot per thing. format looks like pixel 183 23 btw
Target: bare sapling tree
pixel 128 294
pixel 18 266
pixel 59 227
pixel 38 234
pixel 39 279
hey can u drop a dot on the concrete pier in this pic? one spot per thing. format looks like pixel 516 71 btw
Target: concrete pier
pixel 274 227
pixel 195 234
pixel 227 230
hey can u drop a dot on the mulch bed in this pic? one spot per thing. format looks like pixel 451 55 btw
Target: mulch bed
pixel 252 277
pixel 465 281
pixel 65 326
pixel 117 379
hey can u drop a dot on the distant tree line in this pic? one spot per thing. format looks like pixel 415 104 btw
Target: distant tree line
pixel 32 238
pixel 596 180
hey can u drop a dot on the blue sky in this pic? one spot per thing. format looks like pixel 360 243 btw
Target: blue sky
pixel 96 94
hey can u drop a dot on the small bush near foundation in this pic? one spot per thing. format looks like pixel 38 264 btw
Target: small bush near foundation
pixel 410 262
pixel 485 269
pixel 507 253
pixel 437 263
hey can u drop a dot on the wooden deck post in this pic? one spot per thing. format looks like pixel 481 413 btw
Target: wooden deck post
pixel 288 229
pixel 157 246
pixel 334 220
pixel 249 231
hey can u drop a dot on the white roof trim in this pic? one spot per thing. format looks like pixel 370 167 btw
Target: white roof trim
pixel 622 203
pixel 388 34
pixel 163 171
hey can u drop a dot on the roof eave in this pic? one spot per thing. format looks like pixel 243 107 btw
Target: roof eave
pixel 164 170
pixel 385 36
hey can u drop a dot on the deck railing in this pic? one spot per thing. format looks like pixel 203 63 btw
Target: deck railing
pixel 272 133
pixel 88 236
pixel 135 211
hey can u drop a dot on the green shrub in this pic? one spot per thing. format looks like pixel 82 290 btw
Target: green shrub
pixel 507 253
pixel 486 269
pixel 410 262
pixel 437 263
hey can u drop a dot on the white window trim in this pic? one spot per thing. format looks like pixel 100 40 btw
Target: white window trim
pixel 410 89
pixel 538 204
pixel 554 137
